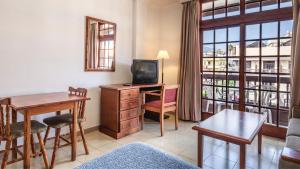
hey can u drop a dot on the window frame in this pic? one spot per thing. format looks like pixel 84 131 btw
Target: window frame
pixel 94 63
pixel 242 20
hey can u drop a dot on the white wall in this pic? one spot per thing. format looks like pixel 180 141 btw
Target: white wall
pixel 42 44
pixel 42 47
pixel 158 26
pixel 170 35
pixel 147 29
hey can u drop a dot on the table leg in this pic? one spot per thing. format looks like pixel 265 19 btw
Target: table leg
pixel 27 131
pixel 14 141
pixel 74 133
pixel 259 141
pixel 200 150
pixel 242 156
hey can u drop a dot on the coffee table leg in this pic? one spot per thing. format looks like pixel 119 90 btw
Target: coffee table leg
pixel 200 150
pixel 242 156
pixel 259 141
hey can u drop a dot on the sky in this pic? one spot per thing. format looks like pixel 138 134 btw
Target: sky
pixel 269 30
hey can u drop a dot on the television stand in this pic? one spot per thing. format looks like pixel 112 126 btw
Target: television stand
pixel 120 105
pixel 148 114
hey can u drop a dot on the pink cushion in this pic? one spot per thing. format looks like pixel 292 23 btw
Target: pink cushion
pixel 170 95
pixel 156 104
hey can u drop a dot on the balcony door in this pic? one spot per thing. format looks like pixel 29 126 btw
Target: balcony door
pixel 220 65
pixel 246 57
pixel 267 78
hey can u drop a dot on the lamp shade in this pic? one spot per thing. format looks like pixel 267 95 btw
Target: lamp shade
pixel 163 54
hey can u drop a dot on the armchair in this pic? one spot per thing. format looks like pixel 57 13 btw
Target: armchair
pixel 290 156
pixel 167 103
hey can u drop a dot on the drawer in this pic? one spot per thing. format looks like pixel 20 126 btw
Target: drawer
pixel 128 104
pixel 129 94
pixel 128 114
pixel 129 124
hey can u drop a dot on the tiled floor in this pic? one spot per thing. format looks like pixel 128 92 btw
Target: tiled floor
pixel 181 143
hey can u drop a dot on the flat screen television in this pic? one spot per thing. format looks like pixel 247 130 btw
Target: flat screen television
pixel 144 71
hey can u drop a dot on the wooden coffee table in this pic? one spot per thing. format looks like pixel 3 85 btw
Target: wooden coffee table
pixel 234 127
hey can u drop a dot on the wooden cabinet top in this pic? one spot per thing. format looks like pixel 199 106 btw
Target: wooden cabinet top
pixel 242 126
pixel 125 87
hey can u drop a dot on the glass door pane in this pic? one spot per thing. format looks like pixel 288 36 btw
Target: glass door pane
pixel 267 67
pixel 220 67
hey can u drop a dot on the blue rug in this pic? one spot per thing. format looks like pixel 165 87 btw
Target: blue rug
pixel 136 156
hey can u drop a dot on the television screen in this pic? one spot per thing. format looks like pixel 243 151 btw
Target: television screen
pixel 144 71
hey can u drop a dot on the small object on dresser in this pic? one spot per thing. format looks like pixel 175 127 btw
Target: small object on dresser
pixel 127 84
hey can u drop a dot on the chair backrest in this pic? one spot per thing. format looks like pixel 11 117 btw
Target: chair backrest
pixel 81 104
pixel 266 95
pixel 208 91
pixel 220 93
pixel 295 112
pixel 170 94
pixel 5 116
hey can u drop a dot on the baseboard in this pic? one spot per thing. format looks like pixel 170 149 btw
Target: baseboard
pixel 92 129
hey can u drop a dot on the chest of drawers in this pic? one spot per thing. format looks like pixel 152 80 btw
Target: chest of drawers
pixel 120 108
pixel 119 111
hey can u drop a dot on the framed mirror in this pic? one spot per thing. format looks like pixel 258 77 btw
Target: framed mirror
pixel 100 45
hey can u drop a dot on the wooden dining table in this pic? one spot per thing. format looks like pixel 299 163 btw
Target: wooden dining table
pixel 37 104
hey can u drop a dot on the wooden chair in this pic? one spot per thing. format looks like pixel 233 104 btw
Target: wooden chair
pixel 10 131
pixel 63 120
pixel 167 103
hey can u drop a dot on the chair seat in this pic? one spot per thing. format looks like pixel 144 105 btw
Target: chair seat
pixel 156 104
pixel 17 129
pixel 60 121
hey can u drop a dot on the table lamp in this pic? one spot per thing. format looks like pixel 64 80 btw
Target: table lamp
pixel 163 54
